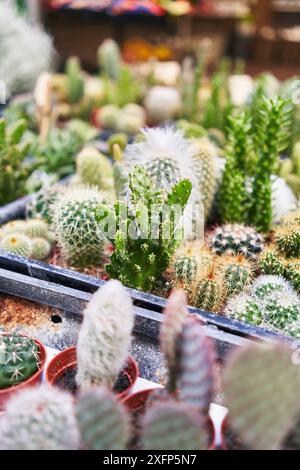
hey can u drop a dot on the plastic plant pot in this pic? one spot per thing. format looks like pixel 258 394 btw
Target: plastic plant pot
pixel 6 393
pixel 136 405
pixel 67 359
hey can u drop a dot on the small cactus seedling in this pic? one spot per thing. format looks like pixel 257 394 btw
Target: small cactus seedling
pixel 261 386
pixel 39 418
pixel 175 312
pixel 236 239
pixel 196 366
pixel 105 336
pixel 102 420
pixel 287 238
pixel 17 243
pixel 19 359
pixel 171 425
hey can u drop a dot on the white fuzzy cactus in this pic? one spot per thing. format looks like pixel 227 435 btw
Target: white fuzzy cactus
pixel 40 418
pixel 105 336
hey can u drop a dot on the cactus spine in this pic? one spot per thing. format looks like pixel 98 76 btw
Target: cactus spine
pixel 103 423
pixel 271 262
pixel 207 294
pixel 105 336
pixel 40 418
pixel 19 359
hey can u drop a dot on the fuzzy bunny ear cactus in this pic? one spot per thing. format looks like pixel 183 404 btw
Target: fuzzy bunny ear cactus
pixel 262 394
pixel 105 336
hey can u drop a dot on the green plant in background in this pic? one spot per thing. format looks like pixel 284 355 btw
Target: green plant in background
pixel 147 237
pixel 19 359
pixel 261 386
pixel 103 422
pixel 39 418
pixel 109 59
pixel 14 170
pixel 125 90
pixel 94 168
pixel 105 336
pixel 191 84
pixel 75 81
pixel 234 239
pixel 75 226
pixel 270 140
pixel 233 193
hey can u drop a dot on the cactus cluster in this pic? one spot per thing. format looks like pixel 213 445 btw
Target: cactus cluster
pixel 19 359
pixel 236 239
pixel 31 238
pixel 105 336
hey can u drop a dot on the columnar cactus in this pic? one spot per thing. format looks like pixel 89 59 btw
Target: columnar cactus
pixel 196 366
pixel 109 59
pixel 261 386
pixel 75 80
pixel 102 420
pixel 236 239
pixel 40 418
pixel 207 293
pixel 172 425
pixel 105 336
pixel 185 269
pixel 19 359
pixel 17 243
pixel 93 168
pixel 75 225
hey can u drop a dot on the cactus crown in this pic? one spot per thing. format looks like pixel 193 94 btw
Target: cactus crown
pixel 19 359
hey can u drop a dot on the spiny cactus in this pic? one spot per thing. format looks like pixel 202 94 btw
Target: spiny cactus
pixel 75 225
pixel 105 336
pixel 172 425
pixel 75 80
pixel 243 308
pixel 40 418
pixel 36 228
pixel 175 312
pixel 13 170
pixel 19 359
pixel 143 250
pixel 271 262
pixel 102 420
pixel 207 294
pixel 196 366
pixel 236 273
pixel 93 168
pixel 185 269
pixel 41 248
pixel 271 139
pixel 287 239
pixel 292 273
pixel 261 386
pixel 109 59
pixel 40 203
pixel 236 239
pixel 14 226
pixel 17 243
pixel 266 286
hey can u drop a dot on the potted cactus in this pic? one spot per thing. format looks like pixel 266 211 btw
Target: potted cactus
pixel 22 361
pixel 102 353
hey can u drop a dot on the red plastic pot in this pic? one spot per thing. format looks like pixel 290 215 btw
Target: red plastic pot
pixel 67 359
pixel 6 393
pixel 136 404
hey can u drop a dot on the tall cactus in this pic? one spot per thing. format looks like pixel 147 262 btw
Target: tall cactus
pixel 74 80
pixel 109 59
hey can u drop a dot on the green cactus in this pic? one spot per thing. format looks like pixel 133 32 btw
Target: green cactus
pixel 185 269
pixel 266 286
pixel 236 239
pixel 108 116
pixel 39 418
pixel 142 250
pixel 292 273
pixel 13 169
pixel 196 366
pixel 120 138
pixel 271 262
pixel 270 139
pixel 41 248
pixel 36 228
pixel 40 203
pixel 94 168
pixel 261 386
pixel 287 239
pixel 207 294
pixel 105 336
pixel 75 225
pixel 102 420
pixel 243 308
pixel 163 425
pixel 175 314
pixel 17 243
pixel 14 226
pixel 19 359
pixel 236 274
pixel 293 181
pixel 109 59
pixel 75 81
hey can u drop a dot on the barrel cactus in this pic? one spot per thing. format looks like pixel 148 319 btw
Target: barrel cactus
pixel 207 293
pixel 17 243
pixel 19 359
pixel 271 261
pixel 185 269
pixel 236 239
pixel 36 228
pixel 41 248
pixel 75 81
pixel 94 168
pixel 236 272
pixel 287 239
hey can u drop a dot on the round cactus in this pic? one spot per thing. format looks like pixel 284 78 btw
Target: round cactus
pixel 162 103
pixel 120 138
pixel 236 273
pixel 19 359
pixel 207 294
pixel 41 248
pixel 292 273
pixel 17 243
pixel 287 239
pixel 40 418
pixel 108 116
pixel 109 59
pixel 243 308
pixel 93 168
pixel 172 425
pixel 36 228
pixel 103 422
pixel 75 225
pixel 266 286
pixel 236 239
pixel 15 226
pixel 185 269
pixel 271 262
